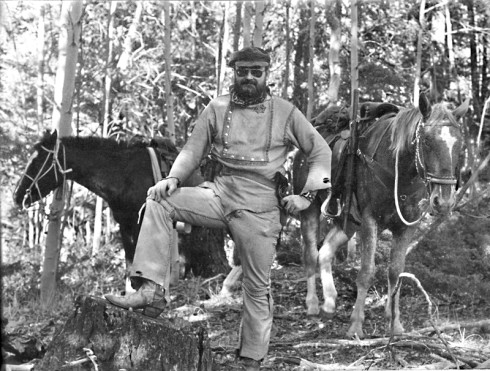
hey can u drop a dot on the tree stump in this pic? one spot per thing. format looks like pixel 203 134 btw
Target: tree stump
pixel 125 340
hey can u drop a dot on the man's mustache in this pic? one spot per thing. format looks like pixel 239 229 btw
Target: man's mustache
pixel 245 82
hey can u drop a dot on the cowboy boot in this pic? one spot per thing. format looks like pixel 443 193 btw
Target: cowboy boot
pixel 150 297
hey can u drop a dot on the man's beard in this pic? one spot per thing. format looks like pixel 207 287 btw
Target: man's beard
pixel 249 89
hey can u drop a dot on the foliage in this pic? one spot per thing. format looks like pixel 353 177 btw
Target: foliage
pixel 455 261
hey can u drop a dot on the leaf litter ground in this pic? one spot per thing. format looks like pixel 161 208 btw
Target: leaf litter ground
pixel 298 342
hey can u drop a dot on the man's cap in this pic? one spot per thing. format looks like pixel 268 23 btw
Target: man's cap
pixel 250 54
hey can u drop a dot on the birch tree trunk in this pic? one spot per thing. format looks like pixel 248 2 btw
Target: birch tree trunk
pixel 247 23
pixel 475 75
pixel 223 47
pixel 69 41
pixel 285 79
pixel 354 62
pixel 418 66
pixel 99 204
pixel 259 24
pixel 333 14
pixel 311 46
pixel 40 69
pixel 238 26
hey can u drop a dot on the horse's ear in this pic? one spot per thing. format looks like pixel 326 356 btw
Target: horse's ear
pixel 424 106
pixel 462 109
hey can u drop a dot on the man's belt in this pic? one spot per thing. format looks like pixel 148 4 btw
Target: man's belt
pixel 249 175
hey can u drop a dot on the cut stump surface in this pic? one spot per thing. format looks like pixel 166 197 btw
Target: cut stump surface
pixel 125 340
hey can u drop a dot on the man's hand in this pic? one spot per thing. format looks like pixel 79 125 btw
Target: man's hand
pixel 295 203
pixel 163 189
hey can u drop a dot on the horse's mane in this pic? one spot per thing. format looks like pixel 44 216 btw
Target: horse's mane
pixel 96 143
pixel 404 124
pixel 107 144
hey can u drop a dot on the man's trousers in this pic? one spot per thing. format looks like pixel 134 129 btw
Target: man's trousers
pixel 255 236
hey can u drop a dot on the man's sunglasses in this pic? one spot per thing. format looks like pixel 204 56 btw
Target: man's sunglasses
pixel 243 71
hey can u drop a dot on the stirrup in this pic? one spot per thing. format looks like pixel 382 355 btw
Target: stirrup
pixel 324 208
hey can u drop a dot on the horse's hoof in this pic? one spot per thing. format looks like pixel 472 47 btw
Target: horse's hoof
pixel 397 331
pixel 312 314
pixel 355 333
pixel 326 315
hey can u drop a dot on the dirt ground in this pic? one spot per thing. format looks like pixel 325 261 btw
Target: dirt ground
pixel 312 343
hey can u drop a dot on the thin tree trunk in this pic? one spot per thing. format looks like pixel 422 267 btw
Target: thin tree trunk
pixel 259 24
pixel 223 47
pixel 194 19
pixel 126 60
pixel 69 42
pixel 288 52
pixel 333 14
pixel 418 66
pixel 168 73
pixel 311 46
pixel 40 70
pixel 174 253
pixel 475 76
pixel 31 234
pixel 299 99
pixel 238 26
pixel 354 64
pixel 107 118
pixel 247 23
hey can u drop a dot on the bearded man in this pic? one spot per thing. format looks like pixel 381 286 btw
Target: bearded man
pixel 249 133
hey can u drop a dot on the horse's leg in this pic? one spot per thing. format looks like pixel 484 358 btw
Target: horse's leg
pixel 335 238
pixel 365 276
pixel 351 250
pixel 230 281
pixel 397 265
pixel 309 231
pixel 129 248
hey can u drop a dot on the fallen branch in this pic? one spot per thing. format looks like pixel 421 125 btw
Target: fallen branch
pixel 455 326
pixel 305 365
pixel 429 311
pixel 212 279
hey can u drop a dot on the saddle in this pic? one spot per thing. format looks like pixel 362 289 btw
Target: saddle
pixel 339 143
pixel 374 110
pixel 167 153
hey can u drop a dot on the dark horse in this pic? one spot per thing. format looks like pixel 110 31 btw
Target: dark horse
pixel 119 172
pixel 406 166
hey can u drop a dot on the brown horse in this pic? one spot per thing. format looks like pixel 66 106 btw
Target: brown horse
pixel 119 172
pixel 406 165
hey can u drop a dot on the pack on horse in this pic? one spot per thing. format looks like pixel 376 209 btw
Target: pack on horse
pixel 119 172
pixel 406 165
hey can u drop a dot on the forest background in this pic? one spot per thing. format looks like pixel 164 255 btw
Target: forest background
pixel 310 67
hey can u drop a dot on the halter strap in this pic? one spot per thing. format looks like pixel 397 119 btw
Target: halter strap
pixel 55 165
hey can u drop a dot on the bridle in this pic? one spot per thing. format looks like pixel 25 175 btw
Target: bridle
pixel 45 169
pixel 428 178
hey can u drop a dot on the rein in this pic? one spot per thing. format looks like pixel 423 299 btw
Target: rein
pixel 428 178
pixel 55 164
